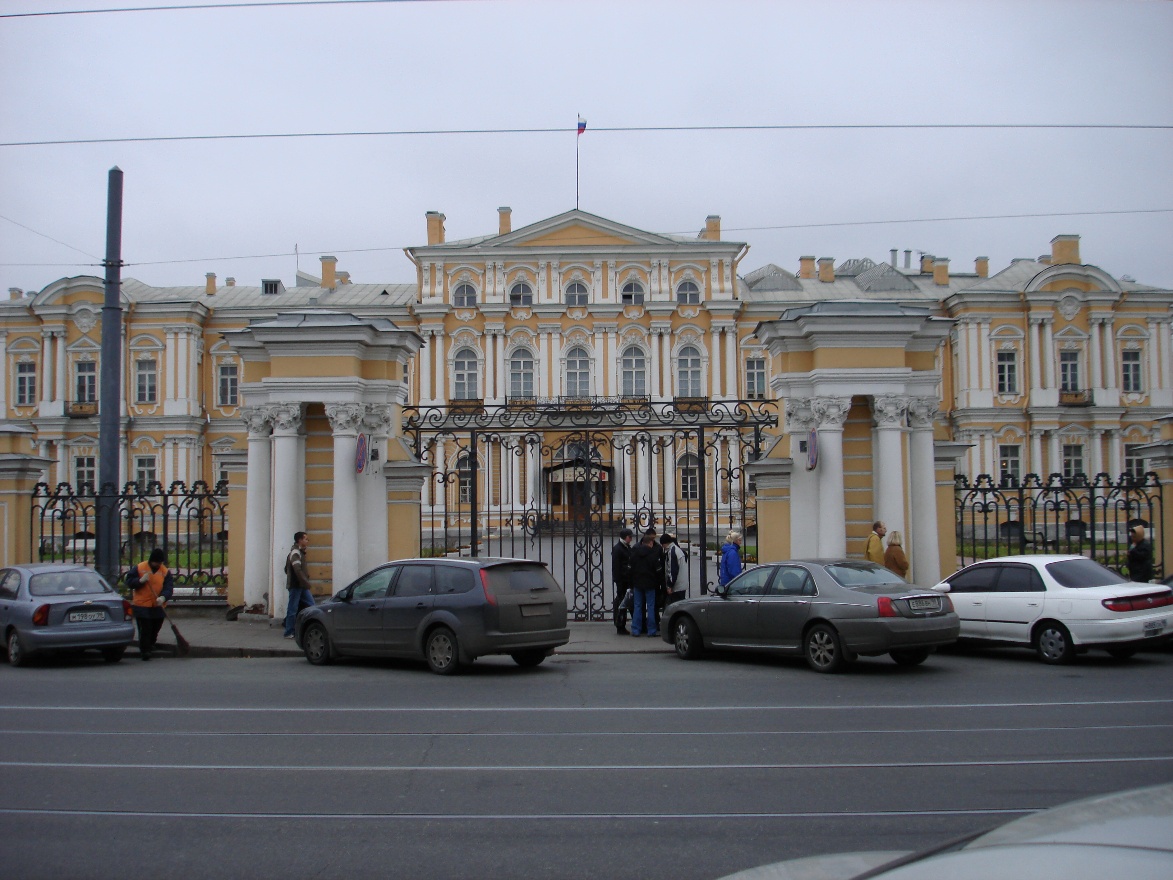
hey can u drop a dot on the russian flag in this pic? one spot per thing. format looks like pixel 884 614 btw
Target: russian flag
pixel 581 125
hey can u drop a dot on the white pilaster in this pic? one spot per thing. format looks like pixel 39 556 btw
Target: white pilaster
pixel 345 419
pixel 1097 346
pixel 46 367
pixel 654 388
pixel 1097 441
pixel 372 490
pixel 715 364
pixel 890 412
pixel 1048 354
pixel 731 371
pixel 61 373
pixel 424 359
pixel 288 494
pixel 1036 376
pixel 258 541
pixel 1035 465
pixel 831 413
pixel 925 552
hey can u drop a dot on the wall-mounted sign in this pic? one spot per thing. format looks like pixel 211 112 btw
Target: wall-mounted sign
pixel 812 451
pixel 361 453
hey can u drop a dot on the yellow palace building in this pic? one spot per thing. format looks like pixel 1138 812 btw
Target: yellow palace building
pixel 579 370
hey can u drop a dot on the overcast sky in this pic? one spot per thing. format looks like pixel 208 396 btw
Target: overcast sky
pixel 193 207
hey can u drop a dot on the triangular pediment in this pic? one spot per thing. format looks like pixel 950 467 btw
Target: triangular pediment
pixel 576 229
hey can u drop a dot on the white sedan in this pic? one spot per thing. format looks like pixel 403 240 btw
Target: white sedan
pixel 1058 605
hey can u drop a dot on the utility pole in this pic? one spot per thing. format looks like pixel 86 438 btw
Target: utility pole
pixel 110 399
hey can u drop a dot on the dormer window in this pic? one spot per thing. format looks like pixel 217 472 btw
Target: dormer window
pixel 521 294
pixel 632 294
pixel 576 295
pixel 270 286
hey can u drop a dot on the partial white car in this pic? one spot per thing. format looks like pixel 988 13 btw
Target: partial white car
pixel 1059 605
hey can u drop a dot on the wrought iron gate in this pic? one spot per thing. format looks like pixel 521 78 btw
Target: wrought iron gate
pixel 556 481
pixel 1058 515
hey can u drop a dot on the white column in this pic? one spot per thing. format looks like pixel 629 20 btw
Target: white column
pixel 1036 376
pixel 1054 459
pixel 555 365
pixel 1097 441
pixel 1110 378
pixel 288 498
pixel 1155 347
pixel 424 359
pixel 1097 345
pixel 598 373
pixel 441 369
pixel 961 357
pixel 731 371
pixel 1035 465
pixel 656 393
pixel 258 543
pixel 46 365
pixel 182 459
pixel 345 419
pixel 1048 354
pixel 925 552
pixel 890 413
pixel 1165 360
pixel 502 372
pixel 1115 454
pixel 171 354
pixel 61 374
pixel 612 364
pixel 975 365
pixel 831 413
pixel 715 363
pixel 372 490
pixel 489 376
pixel 985 367
pixel 542 379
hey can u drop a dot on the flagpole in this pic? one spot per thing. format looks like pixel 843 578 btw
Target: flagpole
pixel 577 137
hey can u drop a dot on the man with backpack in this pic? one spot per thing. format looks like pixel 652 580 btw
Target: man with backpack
pixel 675 569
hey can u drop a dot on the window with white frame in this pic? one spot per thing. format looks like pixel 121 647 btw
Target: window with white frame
pixel 26 383
pixel 1130 371
pixel 634 370
pixel 1072 460
pixel 228 391
pixel 688 373
pixel 1010 462
pixel 463 480
pixel 576 294
pixel 1069 371
pixel 86 382
pixel 688 294
pixel 1134 462
pixel 464 375
pixel 146 380
pixel 1007 372
pixel 521 373
pixel 85 474
pixel 755 378
pixel 632 294
pixel 465 296
pixel 145 471
pixel 521 294
pixel 688 466
pixel 578 372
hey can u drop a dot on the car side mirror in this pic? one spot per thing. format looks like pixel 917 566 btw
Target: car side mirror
pixel 344 596
pixel 942 587
pixel 720 591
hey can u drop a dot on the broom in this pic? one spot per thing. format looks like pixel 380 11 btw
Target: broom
pixel 182 646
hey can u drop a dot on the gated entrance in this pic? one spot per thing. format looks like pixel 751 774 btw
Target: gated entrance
pixel 556 480
pixel 1058 515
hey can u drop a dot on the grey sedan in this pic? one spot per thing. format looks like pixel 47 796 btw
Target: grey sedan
pixel 828 610
pixel 48 607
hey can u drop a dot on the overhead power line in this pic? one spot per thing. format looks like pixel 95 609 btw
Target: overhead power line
pixel 188 7
pixel 614 129
pixel 50 238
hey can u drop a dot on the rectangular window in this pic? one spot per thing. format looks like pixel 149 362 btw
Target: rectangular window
pixel 1134 463
pixel 634 374
pixel 229 391
pixel 1072 460
pixel 1007 372
pixel 87 382
pixel 1069 371
pixel 1130 376
pixel 1010 462
pixel 85 474
pixel 26 384
pixel 755 379
pixel 690 486
pixel 146 381
pixel 145 471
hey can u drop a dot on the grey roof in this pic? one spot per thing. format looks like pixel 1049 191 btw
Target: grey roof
pixel 325 318
pixel 856 310
pixel 855 266
pixel 883 277
pixel 771 277
pixel 249 297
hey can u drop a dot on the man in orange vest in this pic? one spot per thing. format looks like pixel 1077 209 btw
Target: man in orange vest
pixel 151 585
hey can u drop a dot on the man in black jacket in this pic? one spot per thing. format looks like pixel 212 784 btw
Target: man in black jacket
pixel 1140 557
pixel 647 577
pixel 621 577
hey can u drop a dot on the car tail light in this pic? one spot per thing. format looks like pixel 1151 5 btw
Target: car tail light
pixel 41 615
pixel 127 610
pixel 1139 603
pixel 886 608
pixel 946 604
pixel 489 597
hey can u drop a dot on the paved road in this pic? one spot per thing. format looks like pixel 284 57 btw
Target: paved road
pixel 628 766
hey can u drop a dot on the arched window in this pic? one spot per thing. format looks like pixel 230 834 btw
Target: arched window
pixel 521 294
pixel 464 375
pixel 688 294
pixel 688 373
pixel 688 467
pixel 578 373
pixel 521 373
pixel 576 294
pixel 464 297
pixel 632 294
pixel 635 372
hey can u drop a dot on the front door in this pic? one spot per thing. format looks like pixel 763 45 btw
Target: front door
pixel 358 621
pixel 730 619
pixel 1016 604
pixel 969 591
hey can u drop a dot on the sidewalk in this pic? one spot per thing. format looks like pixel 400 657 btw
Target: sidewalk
pixel 210 634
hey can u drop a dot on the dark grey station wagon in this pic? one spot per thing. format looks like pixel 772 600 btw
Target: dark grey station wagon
pixel 447 612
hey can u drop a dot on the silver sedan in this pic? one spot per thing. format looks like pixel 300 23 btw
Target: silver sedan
pixel 828 610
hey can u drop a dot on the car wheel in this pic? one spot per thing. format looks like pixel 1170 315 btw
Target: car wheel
pixel 16 652
pixel 315 642
pixel 1122 653
pixel 824 649
pixel 1053 643
pixel 686 638
pixel 529 658
pixel 910 656
pixel 442 651
pixel 113 655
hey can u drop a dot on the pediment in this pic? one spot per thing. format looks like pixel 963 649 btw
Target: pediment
pixel 578 229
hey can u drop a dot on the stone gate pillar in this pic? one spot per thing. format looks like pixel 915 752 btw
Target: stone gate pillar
pixel 20 471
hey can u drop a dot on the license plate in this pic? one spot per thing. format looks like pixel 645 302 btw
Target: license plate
pixel 534 610
pixel 922 604
pixel 1155 627
pixel 86 616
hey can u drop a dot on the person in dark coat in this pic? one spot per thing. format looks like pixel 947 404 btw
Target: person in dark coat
pixel 647 577
pixel 151 585
pixel 621 577
pixel 675 570
pixel 1140 557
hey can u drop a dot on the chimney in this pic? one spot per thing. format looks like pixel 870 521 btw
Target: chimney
pixel 926 264
pixel 908 259
pixel 15 293
pixel 712 231
pixel 1065 249
pixel 210 283
pixel 941 271
pixel 504 222
pixel 981 265
pixel 343 277
pixel 435 227
pixel 826 268
pixel 806 267
pixel 230 281
pixel 329 267
pixel 892 257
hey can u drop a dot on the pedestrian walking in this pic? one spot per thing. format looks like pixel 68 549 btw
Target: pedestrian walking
pixel 730 558
pixel 297 581
pixel 1140 556
pixel 151 584
pixel 873 551
pixel 894 559
pixel 675 570
pixel 647 576
pixel 621 578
